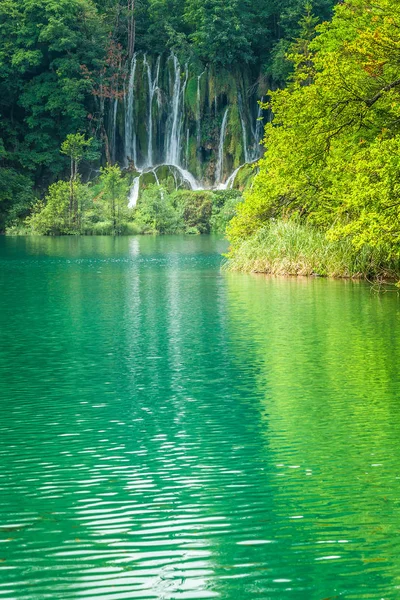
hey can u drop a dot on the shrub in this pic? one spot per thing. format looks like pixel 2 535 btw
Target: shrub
pixel 155 212
pixel 295 248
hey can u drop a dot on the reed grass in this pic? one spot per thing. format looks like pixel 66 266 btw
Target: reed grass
pixel 293 248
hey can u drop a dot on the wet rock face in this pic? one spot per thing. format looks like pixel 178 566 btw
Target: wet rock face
pixel 204 123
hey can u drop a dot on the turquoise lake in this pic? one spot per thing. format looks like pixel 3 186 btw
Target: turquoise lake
pixel 171 431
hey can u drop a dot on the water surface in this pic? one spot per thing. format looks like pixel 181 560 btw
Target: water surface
pixel 171 432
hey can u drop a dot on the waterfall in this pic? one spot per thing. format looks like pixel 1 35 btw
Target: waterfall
pixel 220 163
pixel 134 192
pixel 187 147
pixel 130 132
pixel 257 134
pixel 154 171
pixel 244 130
pixel 259 124
pixel 153 87
pixel 164 124
pixel 173 137
pixel 230 182
pixel 182 104
pixel 155 176
pixel 244 135
pixel 188 177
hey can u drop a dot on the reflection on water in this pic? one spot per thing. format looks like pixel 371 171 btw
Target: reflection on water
pixel 169 432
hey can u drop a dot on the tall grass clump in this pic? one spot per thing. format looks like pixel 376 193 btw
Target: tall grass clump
pixel 294 248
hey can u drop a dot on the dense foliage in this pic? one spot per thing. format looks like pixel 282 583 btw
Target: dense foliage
pixel 333 150
pixel 100 208
pixel 62 60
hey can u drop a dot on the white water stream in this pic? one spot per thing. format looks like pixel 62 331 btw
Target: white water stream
pixel 130 130
pixel 219 171
pixel 153 87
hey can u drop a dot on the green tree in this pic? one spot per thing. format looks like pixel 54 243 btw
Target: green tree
pixel 64 62
pixel 75 146
pixel 218 34
pixel 52 217
pixel 196 209
pixel 155 212
pixel 115 195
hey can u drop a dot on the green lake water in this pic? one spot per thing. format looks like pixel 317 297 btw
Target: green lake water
pixel 169 431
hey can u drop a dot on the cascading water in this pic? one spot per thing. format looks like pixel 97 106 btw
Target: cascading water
pixel 230 182
pixel 198 108
pixel 153 88
pixel 257 133
pixel 134 192
pixel 259 126
pixel 130 131
pixel 188 177
pixel 244 130
pixel 219 172
pixel 170 116
pixel 187 147
pixel 173 136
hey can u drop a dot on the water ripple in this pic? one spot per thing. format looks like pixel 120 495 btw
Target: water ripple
pixel 171 433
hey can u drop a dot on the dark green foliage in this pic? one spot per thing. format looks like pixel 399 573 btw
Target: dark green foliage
pixel 224 209
pixel 156 214
pixel 218 32
pixel 101 209
pixel 196 209
pixel 42 88
pixel 16 197
pixel 45 44
pixel 185 211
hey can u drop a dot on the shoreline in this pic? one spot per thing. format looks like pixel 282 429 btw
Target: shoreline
pixel 295 249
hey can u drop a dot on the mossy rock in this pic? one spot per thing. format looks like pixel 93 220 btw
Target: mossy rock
pixel 163 173
pixel 147 179
pixel 245 177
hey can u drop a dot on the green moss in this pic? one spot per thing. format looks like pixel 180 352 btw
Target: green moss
pixel 191 97
pixel 166 178
pixel 245 176
pixel 234 145
pixel 193 158
pixel 163 173
pixel 147 179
